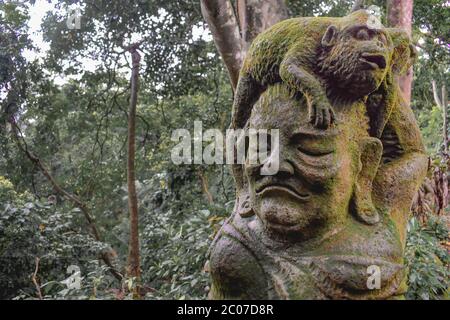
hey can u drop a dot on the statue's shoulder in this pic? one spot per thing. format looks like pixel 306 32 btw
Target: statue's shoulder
pixel 235 271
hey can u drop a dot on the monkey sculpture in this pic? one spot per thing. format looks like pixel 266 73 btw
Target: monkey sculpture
pixel 328 60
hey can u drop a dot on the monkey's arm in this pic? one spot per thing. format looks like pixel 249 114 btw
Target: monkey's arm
pixel 297 77
pixel 404 164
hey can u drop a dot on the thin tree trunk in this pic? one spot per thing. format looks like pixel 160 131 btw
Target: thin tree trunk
pixel 445 115
pixel 443 104
pixel 134 267
pixel 205 187
pixel 399 15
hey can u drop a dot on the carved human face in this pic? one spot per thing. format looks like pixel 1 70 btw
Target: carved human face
pixel 312 189
pixel 356 59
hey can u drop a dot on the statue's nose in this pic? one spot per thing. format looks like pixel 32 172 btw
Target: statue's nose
pixel 277 163
pixel 286 167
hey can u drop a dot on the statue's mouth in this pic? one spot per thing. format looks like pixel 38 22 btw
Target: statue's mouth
pixel 282 188
pixel 373 61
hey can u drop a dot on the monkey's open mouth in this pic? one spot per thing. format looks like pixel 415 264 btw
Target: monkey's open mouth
pixel 374 61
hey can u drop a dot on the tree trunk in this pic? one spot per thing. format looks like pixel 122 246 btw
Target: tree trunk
pixel 399 15
pixel 255 17
pixel 134 268
pixel 222 22
pixel 234 30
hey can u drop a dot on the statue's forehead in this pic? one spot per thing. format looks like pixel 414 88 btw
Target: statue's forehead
pixel 275 111
pixel 290 116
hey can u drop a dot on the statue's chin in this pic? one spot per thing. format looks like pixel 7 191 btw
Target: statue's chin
pixel 285 217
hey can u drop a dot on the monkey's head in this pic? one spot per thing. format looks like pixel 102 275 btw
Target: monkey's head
pixel 356 59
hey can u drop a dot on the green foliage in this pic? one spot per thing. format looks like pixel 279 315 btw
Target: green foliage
pixel 431 127
pixel 427 260
pixel 15 71
pixel 30 229
pixel 174 254
pixel 95 284
pixel 177 227
pixel 7 192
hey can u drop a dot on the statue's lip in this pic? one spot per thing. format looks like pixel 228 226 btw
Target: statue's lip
pixel 286 188
pixel 374 60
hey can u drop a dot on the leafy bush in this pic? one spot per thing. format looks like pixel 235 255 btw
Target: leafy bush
pixel 30 229
pixel 177 234
pixel 427 260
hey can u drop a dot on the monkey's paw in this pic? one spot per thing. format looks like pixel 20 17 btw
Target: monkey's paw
pixel 322 115
pixel 368 214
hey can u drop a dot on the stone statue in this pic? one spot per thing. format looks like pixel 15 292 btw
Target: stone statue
pixel 331 223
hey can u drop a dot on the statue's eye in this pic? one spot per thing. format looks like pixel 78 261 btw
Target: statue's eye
pixel 362 34
pixel 314 146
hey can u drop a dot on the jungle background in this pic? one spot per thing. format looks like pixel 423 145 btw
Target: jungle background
pixel 66 109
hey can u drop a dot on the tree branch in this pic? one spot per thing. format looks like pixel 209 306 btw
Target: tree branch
pixel 34 279
pixel 21 143
pixel 223 24
pixel 205 186
pixel 436 95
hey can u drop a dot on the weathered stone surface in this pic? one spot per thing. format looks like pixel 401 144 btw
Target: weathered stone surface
pixel 350 161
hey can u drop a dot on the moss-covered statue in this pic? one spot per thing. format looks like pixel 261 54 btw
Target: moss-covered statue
pixel 331 223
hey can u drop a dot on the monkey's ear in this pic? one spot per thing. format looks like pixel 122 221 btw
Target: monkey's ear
pixel 404 52
pixel 330 36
